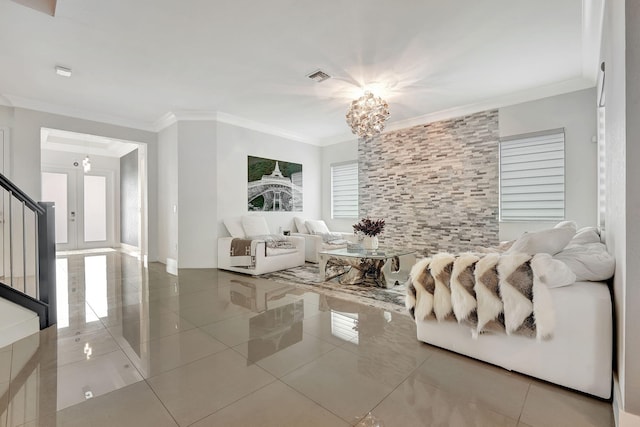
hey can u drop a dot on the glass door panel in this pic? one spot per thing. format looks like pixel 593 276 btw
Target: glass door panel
pixel 95 208
pixel 55 189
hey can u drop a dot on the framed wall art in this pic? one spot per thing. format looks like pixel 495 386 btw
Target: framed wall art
pixel 274 185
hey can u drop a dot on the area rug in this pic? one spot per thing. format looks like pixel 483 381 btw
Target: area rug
pixel 307 276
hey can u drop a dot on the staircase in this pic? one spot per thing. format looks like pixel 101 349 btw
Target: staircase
pixel 27 264
pixel 16 322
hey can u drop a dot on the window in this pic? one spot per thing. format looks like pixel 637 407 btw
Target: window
pixel 344 190
pixel 532 177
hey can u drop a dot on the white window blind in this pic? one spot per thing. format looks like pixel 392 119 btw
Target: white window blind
pixel 532 177
pixel 344 190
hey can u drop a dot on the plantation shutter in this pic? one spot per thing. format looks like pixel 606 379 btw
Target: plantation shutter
pixel 344 190
pixel 532 177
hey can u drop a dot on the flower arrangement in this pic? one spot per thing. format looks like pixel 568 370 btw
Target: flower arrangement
pixel 369 227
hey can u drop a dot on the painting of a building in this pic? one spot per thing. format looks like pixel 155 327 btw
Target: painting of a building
pixel 274 185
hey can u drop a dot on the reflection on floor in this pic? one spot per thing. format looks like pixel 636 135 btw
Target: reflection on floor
pixel 139 347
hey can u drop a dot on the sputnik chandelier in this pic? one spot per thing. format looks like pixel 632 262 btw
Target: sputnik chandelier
pixel 367 114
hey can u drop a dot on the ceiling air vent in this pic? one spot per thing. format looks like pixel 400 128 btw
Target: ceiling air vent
pixel 319 76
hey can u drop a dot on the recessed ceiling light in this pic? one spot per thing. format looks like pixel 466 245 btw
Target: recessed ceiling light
pixel 63 71
pixel 319 76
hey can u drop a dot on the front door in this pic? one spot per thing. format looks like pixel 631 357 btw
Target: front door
pixel 84 207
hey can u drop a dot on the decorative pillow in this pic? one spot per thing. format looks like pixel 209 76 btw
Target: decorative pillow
pixel 571 224
pixel 589 261
pixel 234 227
pixel 300 225
pixel 316 227
pixel 255 225
pixel 550 241
pixel 585 236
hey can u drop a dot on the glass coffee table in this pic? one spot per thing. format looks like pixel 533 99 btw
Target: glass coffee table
pixel 383 267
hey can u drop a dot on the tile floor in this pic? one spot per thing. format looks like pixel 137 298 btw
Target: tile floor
pixel 139 347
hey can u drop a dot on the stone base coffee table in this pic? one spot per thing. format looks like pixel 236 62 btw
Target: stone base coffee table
pixel 381 267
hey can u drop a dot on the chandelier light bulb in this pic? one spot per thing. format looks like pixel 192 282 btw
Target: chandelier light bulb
pixel 367 115
pixel 86 165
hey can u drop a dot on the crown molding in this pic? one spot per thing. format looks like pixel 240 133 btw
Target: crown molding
pixel 45 107
pixel 173 117
pixel 5 101
pixel 532 94
pixel 164 121
pixel 261 127
pixel 337 139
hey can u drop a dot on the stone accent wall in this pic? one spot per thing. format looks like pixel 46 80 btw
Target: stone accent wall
pixel 436 185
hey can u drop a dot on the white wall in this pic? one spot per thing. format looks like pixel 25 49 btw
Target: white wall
pixel 234 145
pixel 197 191
pixel 167 231
pixel 25 125
pixel 621 53
pixel 336 153
pixel 575 112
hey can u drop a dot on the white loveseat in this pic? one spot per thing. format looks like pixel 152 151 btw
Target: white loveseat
pixel 314 232
pixel 262 259
pixel 579 355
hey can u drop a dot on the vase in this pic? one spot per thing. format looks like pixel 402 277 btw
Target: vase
pixel 370 243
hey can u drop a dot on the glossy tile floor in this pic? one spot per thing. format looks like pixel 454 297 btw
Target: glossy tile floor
pixel 138 347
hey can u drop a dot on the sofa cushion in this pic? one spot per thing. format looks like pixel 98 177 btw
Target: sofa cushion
pixel 300 225
pixel 254 225
pixel 317 227
pixel 234 227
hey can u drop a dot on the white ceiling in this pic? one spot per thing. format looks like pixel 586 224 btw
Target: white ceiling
pixel 73 142
pixel 246 61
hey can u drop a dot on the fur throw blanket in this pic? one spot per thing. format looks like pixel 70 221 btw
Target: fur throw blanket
pixel 493 291
pixel 242 252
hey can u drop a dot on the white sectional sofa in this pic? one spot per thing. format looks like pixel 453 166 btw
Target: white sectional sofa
pixel 313 232
pixel 578 354
pixel 262 259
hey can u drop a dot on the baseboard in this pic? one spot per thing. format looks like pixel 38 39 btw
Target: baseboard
pixel 130 250
pixel 622 418
pixel 172 266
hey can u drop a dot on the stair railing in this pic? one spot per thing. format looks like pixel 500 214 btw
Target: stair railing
pixel 27 252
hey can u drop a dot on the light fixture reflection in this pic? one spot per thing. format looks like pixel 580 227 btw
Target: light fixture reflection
pixel 95 279
pixel 367 115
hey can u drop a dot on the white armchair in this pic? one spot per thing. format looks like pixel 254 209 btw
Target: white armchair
pixel 263 259
pixel 312 232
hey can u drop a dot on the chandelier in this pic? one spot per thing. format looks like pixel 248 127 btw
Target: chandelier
pixel 367 114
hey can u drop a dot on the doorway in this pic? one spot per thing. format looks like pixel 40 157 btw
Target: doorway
pixel 84 207
pixel 99 187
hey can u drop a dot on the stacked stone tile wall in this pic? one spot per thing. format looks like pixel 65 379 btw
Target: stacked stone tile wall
pixel 436 185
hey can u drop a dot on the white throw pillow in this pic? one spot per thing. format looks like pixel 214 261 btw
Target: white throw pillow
pixel 316 227
pixel 550 241
pixel 254 225
pixel 571 224
pixel 589 261
pixel 584 236
pixel 300 225
pixel 234 227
